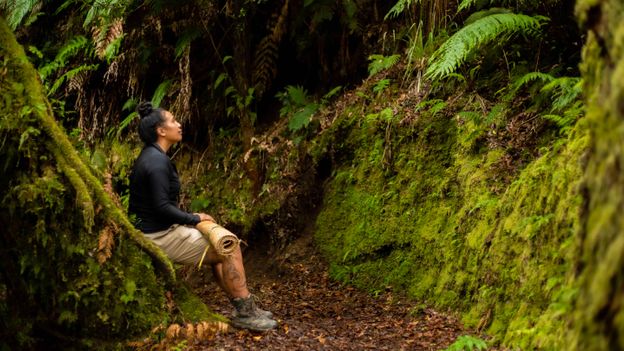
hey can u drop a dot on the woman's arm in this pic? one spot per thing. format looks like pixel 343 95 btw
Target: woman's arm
pixel 159 187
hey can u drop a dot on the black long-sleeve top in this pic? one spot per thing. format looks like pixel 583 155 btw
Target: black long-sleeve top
pixel 154 192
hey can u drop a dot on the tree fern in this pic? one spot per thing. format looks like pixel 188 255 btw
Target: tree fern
pixel 477 34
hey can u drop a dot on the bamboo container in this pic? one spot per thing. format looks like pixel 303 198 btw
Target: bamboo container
pixel 224 241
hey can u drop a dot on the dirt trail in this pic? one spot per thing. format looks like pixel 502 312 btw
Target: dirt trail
pixel 316 313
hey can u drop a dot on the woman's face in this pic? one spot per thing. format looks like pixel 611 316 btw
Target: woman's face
pixel 171 129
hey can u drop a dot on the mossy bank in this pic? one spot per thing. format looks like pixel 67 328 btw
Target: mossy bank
pixel 440 222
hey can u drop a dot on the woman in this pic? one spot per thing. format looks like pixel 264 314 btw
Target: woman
pixel 154 191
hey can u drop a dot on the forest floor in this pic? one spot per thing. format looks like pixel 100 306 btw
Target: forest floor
pixel 317 313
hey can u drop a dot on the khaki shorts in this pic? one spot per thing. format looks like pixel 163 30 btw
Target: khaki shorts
pixel 182 244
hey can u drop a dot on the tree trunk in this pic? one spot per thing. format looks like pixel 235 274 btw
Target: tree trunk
pixel 600 313
pixel 73 267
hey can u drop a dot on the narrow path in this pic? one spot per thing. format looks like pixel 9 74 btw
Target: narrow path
pixel 316 313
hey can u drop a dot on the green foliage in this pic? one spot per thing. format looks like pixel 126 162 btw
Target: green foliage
pixel 399 7
pixel 69 75
pixel 106 10
pixel 161 92
pixel 68 51
pixel 465 4
pixel 451 230
pixel 530 78
pixel 467 343
pixel 487 30
pixel 381 85
pixel 184 41
pixel 561 96
pixel 298 106
pixel 564 90
pixel 380 63
pixel 130 106
pixel 16 10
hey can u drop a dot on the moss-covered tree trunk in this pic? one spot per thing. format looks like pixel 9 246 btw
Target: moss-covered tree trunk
pixel 72 266
pixel 600 313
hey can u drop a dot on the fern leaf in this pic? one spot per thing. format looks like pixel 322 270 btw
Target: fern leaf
pixel 484 13
pixel 298 95
pixel 301 118
pixel 484 31
pixel 266 55
pixel 160 92
pixel 69 75
pixel 381 86
pixel 399 7
pixel 530 77
pixel 565 89
pixel 130 104
pixel 465 4
pixel 73 47
pixel 379 63
pixel 16 10
pixel 185 40
pixel 467 343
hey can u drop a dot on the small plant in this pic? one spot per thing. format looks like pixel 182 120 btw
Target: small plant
pixel 380 86
pixel 494 27
pixel 562 95
pixel 380 63
pixel 299 107
pixel 467 343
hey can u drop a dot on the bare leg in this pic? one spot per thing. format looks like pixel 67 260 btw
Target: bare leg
pixel 217 273
pixel 229 272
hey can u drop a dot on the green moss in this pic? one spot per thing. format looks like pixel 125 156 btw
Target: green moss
pixel 191 308
pixel 441 225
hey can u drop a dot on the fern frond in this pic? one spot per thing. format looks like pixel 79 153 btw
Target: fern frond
pixel 160 92
pixel 529 78
pixel 379 63
pixel 456 49
pixel 465 4
pixel 109 33
pixel 69 50
pixel 69 75
pixel 297 95
pixel 467 343
pixel 351 19
pixel 399 7
pixel 484 13
pixel 381 86
pixel 104 10
pixel 266 55
pixel 322 12
pixel 16 10
pixel 565 90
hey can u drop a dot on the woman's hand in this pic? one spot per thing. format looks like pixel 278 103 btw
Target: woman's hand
pixel 205 217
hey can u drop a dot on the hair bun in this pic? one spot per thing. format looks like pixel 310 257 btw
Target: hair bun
pixel 145 108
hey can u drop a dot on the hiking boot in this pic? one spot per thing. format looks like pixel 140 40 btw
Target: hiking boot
pixel 248 316
pixel 259 311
